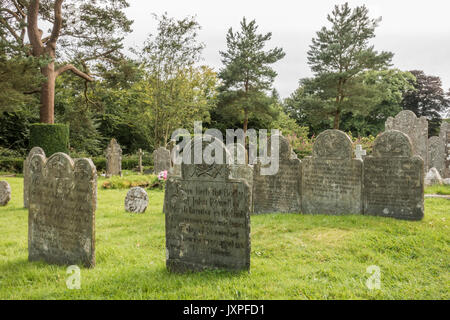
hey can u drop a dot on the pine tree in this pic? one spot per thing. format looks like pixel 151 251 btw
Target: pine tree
pixel 247 75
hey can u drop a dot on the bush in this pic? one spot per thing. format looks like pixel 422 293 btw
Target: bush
pixel 128 163
pixel 52 138
pixel 14 165
pixel 144 181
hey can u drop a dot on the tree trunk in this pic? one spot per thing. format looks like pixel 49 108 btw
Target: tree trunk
pixel 245 121
pixel 47 109
pixel 336 119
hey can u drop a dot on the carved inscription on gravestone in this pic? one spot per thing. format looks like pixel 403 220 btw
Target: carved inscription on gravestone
pixel 61 220
pixel 161 160
pixel 26 173
pixel 394 178
pixel 331 178
pixel 113 159
pixel 207 218
pixel 415 128
pixel 279 192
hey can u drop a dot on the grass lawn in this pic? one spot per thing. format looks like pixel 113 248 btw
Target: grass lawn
pixel 293 256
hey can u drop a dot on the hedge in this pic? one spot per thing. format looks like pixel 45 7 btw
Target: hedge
pixel 13 165
pixel 51 138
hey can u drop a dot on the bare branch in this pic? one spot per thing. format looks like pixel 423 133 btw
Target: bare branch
pixel 10 29
pixel 15 15
pixel 70 67
pixel 19 6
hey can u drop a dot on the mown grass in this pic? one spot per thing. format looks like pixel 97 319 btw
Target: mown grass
pixel 293 256
pixel 438 189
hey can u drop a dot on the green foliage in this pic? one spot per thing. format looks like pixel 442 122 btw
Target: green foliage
pixel 427 98
pixel 15 128
pixel 247 74
pixel 51 138
pixel 338 57
pixel 126 182
pixel 9 164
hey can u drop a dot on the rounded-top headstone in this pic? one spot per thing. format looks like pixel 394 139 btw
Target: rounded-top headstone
pixel 136 200
pixel 333 144
pixel 5 193
pixel 392 143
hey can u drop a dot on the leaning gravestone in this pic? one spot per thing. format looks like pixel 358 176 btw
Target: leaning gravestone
pixel 113 159
pixel 161 160
pixel 279 192
pixel 394 178
pixel 331 178
pixel 61 219
pixel 207 216
pixel 136 200
pixel 26 174
pixel 415 128
pixel 5 193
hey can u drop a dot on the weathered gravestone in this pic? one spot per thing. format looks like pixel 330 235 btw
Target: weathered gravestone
pixel 447 156
pixel 61 219
pixel 436 150
pixel 239 168
pixel 279 192
pixel 5 193
pixel 415 128
pixel 136 200
pixel 207 216
pixel 161 160
pixel 331 178
pixel 394 178
pixel 113 159
pixel 26 174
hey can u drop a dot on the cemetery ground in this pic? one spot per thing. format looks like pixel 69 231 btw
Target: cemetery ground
pixel 293 256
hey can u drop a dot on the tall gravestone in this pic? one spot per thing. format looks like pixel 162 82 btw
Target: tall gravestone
pixel 239 167
pixel 415 128
pixel 161 160
pixel 394 178
pixel 113 159
pixel 278 192
pixel 26 174
pixel 61 219
pixel 436 150
pixel 447 156
pixel 443 136
pixel 331 178
pixel 207 217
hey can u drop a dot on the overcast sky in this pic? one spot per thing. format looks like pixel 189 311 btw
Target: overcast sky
pixel 416 31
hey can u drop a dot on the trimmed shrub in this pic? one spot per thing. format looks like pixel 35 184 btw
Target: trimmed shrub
pixel 52 138
pixel 144 181
pixel 13 165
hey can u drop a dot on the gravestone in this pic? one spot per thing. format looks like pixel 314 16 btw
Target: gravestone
pixel 447 156
pixel 433 178
pixel 5 193
pixel 394 178
pixel 140 167
pixel 443 135
pixel 331 178
pixel 415 128
pixel 207 216
pixel 239 168
pixel 360 152
pixel 61 218
pixel 161 160
pixel 26 173
pixel 113 159
pixel 279 192
pixel 136 200
pixel 436 150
